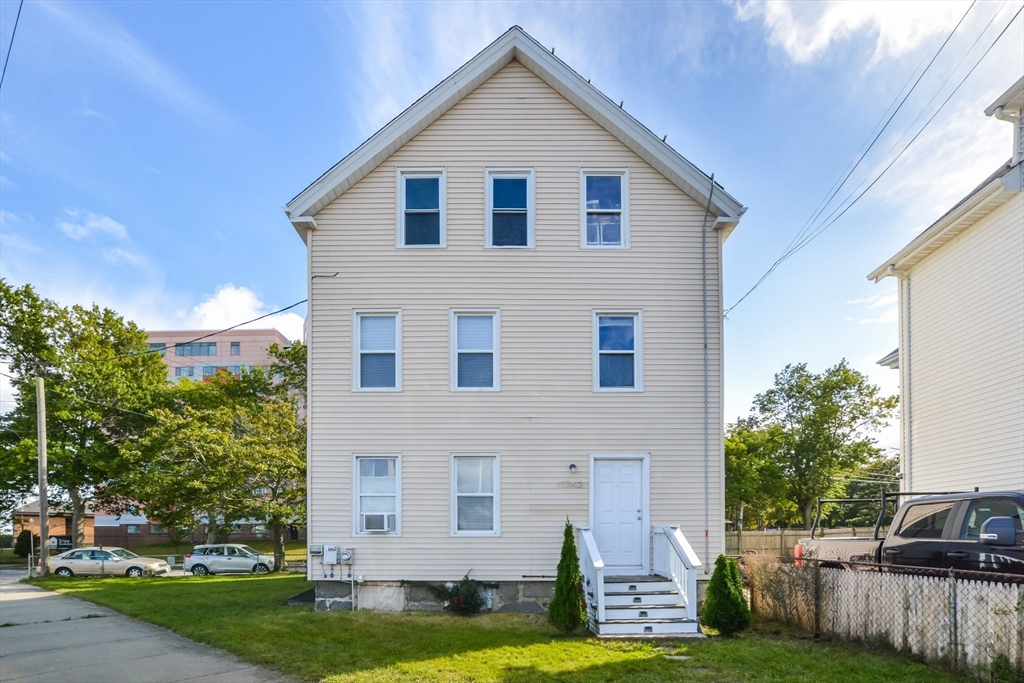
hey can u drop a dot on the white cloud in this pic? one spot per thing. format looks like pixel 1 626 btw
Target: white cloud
pixel 876 301
pixel 85 225
pixel 117 256
pixel 120 48
pixel 230 305
pixel 806 30
pixel 85 111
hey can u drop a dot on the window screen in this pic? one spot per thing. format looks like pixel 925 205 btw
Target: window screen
pixel 616 351
pixel 474 493
pixel 474 339
pixel 421 214
pixel 510 210
pixel 378 349
pixel 603 210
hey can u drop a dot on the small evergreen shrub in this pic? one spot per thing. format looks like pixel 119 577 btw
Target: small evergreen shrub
pixel 568 610
pixel 21 544
pixel 725 609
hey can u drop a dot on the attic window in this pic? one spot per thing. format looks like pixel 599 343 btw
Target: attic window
pixel 605 208
pixel 421 208
pixel 510 208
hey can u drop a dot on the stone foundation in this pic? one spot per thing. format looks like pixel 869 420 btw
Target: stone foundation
pixel 391 596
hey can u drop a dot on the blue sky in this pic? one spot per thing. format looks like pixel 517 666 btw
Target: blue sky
pixel 146 149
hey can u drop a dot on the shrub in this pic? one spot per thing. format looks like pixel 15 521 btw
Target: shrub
pixel 725 609
pixel 21 544
pixel 567 611
pixel 461 598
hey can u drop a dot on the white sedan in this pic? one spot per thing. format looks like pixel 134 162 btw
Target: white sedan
pixel 105 561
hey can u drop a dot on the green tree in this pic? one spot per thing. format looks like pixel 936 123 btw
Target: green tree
pixel 725 609
pixel 21 544
pixel 755 483
pixel 100 379
pixel 825 422
pixel 567 611
pixel 865 481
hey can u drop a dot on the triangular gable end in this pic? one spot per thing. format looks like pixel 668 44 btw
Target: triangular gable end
pixel 513 44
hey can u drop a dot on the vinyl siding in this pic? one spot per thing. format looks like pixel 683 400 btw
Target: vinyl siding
pixel 967 358
pixel 546 415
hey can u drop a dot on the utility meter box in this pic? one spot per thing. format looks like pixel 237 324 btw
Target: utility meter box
pixel 335 554
pixel 316 549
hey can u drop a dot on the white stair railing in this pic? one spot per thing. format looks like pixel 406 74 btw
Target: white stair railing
pixel 592 568
pixel 674 558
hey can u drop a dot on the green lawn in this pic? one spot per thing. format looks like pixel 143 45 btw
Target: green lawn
pixel 7 556
pixel 293 550
pixel 247 616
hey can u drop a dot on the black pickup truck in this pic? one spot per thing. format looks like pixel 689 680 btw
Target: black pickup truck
pixel 974 531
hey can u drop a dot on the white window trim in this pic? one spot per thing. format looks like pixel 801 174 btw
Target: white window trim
pixel 441 173
pixel 453 357
pixel 638 350
pixel 645 478
pixel 624 174
pixel 454 503
pixel 397 531
pixel 357 349
pixel 489 174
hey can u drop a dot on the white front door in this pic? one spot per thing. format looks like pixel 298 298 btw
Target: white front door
pixel 618 512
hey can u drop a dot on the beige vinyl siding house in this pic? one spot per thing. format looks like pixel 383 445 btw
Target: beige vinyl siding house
pixel 535 428
pixel 961 355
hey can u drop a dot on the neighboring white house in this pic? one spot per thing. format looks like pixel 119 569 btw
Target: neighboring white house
pixel 961 352
pixel 514 320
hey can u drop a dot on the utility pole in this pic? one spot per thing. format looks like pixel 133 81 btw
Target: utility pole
pixel 44 512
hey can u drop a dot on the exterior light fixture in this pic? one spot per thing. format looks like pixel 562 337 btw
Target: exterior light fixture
pixel 572 468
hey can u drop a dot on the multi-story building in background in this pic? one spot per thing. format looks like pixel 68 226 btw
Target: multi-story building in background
pixel 230 351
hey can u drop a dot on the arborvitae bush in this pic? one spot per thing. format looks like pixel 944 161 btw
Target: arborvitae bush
pixel 21 543
pixel 725 609
pixel 567 611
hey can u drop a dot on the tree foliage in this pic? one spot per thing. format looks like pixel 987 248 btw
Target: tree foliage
pixel 99 380
pixel 725 609
pixel 803 436
pixel 567 611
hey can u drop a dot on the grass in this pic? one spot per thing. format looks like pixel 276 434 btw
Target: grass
pixel 294 551
pixel 248 617
pixel 7 556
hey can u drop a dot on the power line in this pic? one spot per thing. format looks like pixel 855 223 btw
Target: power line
pixel 7 59
pixel 809 237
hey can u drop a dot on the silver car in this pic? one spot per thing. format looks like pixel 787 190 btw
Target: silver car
pixel 227 558
pixel 106 561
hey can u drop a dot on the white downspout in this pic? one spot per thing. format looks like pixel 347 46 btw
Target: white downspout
pixel 1002 115
pixel 906 405
pixel 704 294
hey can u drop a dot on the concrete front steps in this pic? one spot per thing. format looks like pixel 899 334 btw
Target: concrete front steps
pixel 639 606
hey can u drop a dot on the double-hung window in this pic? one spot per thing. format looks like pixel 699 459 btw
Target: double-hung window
pixel 475 497
pixel 378 486
pixel 475 361
pixel 184 372
pixel 510 207
pixel 377 363
pixel 618 352
pixel 421 207
pixel 236 348
pixel 604 210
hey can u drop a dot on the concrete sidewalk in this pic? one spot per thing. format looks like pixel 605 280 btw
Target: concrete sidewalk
pixel 48 637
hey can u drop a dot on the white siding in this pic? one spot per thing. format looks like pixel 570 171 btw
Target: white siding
pixel 967 358
pixel 546 415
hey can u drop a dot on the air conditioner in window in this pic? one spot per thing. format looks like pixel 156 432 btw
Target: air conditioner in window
pixel 378 523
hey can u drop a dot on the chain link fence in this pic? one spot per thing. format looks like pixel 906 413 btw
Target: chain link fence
pixel 967 621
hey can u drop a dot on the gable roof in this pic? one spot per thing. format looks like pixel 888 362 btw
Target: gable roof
pixel 514 44
pixel 979 202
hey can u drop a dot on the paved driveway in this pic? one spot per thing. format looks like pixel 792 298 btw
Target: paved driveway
pixel 50 637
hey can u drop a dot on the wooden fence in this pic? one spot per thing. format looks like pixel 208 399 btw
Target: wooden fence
pixel 779 543
pixel 974 626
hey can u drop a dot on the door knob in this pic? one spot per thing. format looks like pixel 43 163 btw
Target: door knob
pixel 638 511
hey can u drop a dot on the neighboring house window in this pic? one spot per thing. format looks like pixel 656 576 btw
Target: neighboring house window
pixel 196 349
pixel 235 370
pixel 377 494
pixel 618 352
pixel 236 348
pixel 475 495
pixel 261 491
pixel 421 208
pixel 605 208
pixel 476 348
pixel 378 358
pixel 131 528
pixel 236 528
pixel 158 347
pixel 155 529
pixel 184 372
pixel 209 371
pixel 510 208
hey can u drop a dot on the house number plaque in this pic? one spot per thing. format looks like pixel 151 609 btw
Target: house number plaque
pixel 570 484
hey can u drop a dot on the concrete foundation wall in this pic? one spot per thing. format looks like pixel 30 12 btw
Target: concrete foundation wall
pixel 393 596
